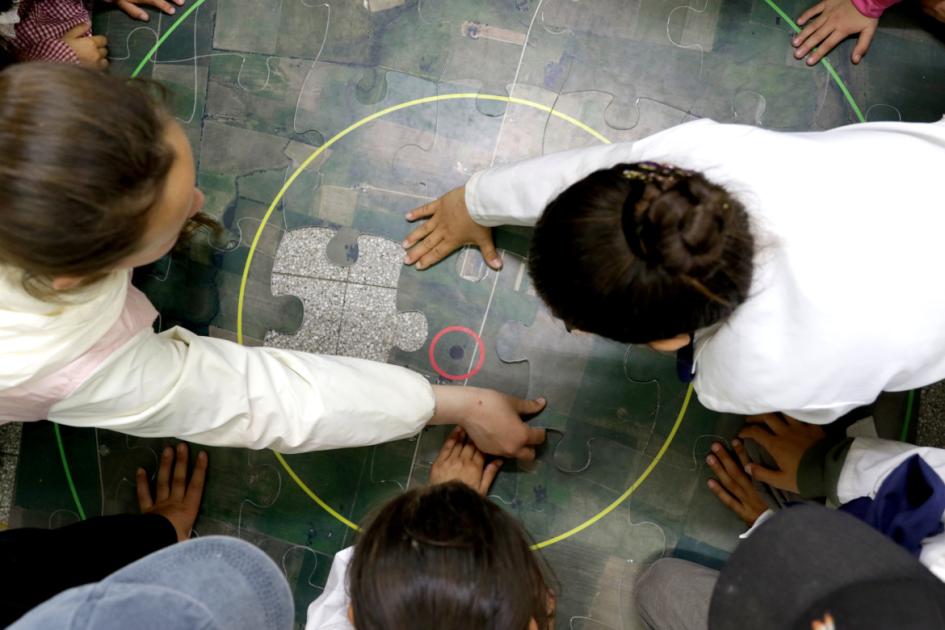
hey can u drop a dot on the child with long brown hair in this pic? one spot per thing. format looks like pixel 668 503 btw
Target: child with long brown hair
pixel 440 556
pixel 91 187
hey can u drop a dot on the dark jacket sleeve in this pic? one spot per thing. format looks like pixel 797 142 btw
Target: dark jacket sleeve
pixel 820 466
pixel 37 564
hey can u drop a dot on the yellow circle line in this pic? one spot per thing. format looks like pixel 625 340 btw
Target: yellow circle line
pixel 341 134
pixel 633 488
pixel 298 481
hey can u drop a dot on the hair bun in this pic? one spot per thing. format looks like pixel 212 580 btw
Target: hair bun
pixel 676 220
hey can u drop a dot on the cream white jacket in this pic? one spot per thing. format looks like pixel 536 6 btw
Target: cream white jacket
pixel 69 357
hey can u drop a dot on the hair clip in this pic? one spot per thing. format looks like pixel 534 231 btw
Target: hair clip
pixel 665 175
pixel 634 175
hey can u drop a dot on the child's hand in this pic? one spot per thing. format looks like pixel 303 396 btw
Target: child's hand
pixel 934 8
pixel 733 487
pixel 175 499
pixel 836 20
pixel 460 460
pixel 786 440
pixel 492 420
pixel 130 7
pixel 447 228
pixel 91 50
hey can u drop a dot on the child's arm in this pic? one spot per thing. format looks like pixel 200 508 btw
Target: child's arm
pixel 842 469
pixel 517 194
pixel 829 22
pixel 216 392
pixel 514 194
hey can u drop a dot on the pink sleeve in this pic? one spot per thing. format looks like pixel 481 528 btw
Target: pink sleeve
pixel 873 8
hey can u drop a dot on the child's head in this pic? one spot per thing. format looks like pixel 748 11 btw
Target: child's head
pixel 642 253
pixel 95 176
pixel 444 557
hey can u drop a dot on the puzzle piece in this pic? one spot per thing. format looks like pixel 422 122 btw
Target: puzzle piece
pixel 183 288
pixel 464 142
pixel 480 306
pixel 554 356
pixel 485 42
pixel 262 311
pixel 570 370
pixel 238 162
pixel 349 310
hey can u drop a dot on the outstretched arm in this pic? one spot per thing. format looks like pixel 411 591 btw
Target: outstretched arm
pixel 514 194
pixel 219 393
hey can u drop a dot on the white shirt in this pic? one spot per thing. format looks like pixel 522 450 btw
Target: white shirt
pixel 846 300
pixel 330 610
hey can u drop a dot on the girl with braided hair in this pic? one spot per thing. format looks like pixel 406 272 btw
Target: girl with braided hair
pixel 803 279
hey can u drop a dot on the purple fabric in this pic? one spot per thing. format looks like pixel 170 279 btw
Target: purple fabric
pixel 907 507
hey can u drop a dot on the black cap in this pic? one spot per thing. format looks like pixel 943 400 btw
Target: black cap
pixel 810 564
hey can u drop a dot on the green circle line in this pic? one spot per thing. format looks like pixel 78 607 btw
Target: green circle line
pixel 826 64
pixel 163 37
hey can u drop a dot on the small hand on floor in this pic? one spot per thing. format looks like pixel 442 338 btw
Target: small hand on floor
pixel 828 23
pixel 734 488
pixel 784 438
pixel 174 498
pixel 460 460
pixel 494 421
pixel 133 10
pixel 91 50
pixel 448 227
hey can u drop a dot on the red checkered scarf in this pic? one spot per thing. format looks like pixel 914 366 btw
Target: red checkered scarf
pixel 42 25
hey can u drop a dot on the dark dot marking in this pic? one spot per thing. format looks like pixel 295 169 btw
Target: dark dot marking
pixel 456 352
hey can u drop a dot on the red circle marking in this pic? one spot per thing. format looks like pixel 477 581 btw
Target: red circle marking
pixel 470 373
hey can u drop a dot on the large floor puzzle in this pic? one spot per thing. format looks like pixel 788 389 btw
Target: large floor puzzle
pixel 317 125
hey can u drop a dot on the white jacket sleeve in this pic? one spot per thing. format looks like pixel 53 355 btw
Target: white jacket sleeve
pixel 868 463
pixel 516 194
pixel 219 393
pixel 330 610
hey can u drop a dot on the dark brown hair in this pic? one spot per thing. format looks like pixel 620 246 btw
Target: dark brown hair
pixel 642 252
pixel 83 159
pixel 444 557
